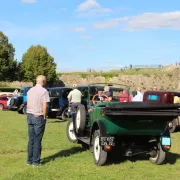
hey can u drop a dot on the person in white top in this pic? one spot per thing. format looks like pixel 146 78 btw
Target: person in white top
pixel 139 96
pixel 15 93
pixel 74 98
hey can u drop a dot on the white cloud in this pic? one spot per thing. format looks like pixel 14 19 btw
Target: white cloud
pixel 155 21
pixel 29 1
pixel 109 23
pixel 86 37
pixel 80 29
pixel 91 8
pixel 152 20
pixel 88 4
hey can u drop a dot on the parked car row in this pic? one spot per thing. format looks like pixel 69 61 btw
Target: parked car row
pixel 58 106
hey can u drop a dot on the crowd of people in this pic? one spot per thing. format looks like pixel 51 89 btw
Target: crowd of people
pixel 124 96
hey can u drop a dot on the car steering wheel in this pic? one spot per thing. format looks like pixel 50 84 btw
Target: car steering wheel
pixel 102 95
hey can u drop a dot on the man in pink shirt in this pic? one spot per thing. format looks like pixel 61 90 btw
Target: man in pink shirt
pixel 37 99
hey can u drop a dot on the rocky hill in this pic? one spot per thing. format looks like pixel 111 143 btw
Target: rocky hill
pixel 166 78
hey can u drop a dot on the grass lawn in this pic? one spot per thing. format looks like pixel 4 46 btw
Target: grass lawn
pixel 64 160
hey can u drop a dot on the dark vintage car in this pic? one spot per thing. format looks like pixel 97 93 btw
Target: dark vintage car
pixel 166 97
pixel 58 105
pixel 129 128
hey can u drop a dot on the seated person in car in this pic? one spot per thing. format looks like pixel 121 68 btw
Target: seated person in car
pixel 108 92
pixel 124 97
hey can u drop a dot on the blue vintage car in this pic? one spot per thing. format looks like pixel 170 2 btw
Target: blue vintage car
pixel 58 105
pixel 19 102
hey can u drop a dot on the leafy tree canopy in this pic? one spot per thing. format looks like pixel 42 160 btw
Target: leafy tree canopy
pixel 38 61
pixel 8 66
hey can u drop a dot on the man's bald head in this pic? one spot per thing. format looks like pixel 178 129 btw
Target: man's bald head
pixel 41 80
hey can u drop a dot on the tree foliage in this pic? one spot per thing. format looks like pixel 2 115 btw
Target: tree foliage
pixel 38 61
pixel 8 66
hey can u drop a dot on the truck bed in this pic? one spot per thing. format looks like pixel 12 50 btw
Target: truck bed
pixel 142 109
pixel 139 118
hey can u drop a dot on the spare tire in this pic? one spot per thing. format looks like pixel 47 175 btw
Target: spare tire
pixel 80 120
pixel 12 102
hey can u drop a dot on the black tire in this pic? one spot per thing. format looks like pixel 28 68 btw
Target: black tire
pixel 70 132
pixel 99 154
pixel 20 111
pixel 1 107
pixel 80 120
pixel 64 115
pixel 12 102
pixel 172 126
pixel 25 109
pixel 159 157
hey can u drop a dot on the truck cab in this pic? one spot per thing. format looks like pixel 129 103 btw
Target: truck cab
pixel 165 97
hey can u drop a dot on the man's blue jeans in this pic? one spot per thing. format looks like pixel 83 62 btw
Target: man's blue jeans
pixel 36 127
pixel 74 106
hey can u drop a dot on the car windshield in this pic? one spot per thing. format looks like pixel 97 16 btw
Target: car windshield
pixel 108 92
pixel 24 91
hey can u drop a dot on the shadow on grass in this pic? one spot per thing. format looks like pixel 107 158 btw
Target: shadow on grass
pixel 56 121
pixel 63 153
pixel 171 158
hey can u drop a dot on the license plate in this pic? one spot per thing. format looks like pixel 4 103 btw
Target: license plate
pixel 166 141
pixel 104 141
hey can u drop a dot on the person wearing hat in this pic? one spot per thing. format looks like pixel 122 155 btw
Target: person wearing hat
pixel 74 98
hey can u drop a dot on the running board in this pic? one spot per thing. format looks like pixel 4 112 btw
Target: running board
pixel 85 140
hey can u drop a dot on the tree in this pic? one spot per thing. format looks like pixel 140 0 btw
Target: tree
pixel 8 66
pixel 38 61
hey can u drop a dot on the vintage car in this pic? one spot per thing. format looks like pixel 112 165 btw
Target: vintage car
pixel 129 128
pixel 167 97
pixel 3 101
pixel 58 105
pixel 19 102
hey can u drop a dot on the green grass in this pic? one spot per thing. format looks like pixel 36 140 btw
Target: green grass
pixel 64 160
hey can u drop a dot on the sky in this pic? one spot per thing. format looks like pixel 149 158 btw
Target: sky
pixel 98 34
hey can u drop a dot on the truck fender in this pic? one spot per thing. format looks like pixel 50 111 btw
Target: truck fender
pixel 165 134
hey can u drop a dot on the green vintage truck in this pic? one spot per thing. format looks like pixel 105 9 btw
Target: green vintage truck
pixel 110 125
